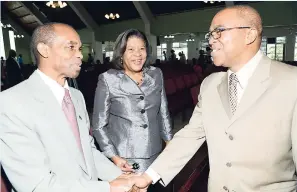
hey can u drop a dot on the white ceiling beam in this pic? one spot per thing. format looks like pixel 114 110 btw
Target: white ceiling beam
pixel 83 14
pixel 144 12
pixel 34 10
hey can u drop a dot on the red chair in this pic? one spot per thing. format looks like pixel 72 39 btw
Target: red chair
pixel 170 86
pixel 194 176
pixel 188 80
pixel 194 78
pixel 197 69
pixel 180 84
pixel 194 93
pixel 5 184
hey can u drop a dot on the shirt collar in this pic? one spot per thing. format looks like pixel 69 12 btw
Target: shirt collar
pixel 247 70
pixel 55 87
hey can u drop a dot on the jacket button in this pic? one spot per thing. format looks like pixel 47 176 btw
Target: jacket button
pixel 144 126
pixel 228 164
pixel 142 111
pixel 141 97
pixel 231 137
pixel 225 188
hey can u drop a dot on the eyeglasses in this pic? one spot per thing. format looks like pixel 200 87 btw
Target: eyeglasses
pixel 216 33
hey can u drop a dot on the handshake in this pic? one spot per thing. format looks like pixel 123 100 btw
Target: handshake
pixel 130 183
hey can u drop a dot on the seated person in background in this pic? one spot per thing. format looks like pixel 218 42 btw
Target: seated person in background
pixel 98 62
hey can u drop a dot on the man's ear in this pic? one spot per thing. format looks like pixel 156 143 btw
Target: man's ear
pixel 251 36
pixel 43 50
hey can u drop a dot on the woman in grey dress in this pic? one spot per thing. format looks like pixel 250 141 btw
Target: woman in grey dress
pixel 130 116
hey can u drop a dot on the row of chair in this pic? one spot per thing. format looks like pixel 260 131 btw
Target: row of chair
pixel 178 90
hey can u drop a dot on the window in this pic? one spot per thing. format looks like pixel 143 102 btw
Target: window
pixel 295 56
pixel 180 47
pixel 85 51
pixel 11 40
pixel 203 45
pixel 2 50
pixel 109 54
pixel 160 49
pixel 276 48
pixel 281 40
pixel 107 49
pixel 264 45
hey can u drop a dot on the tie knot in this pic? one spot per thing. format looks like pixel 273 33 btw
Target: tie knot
pixel 233 78
pixel 67 93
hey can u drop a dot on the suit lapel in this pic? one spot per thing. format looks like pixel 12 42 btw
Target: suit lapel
pixel 84 135
pixel 127 85
pixel 148 80
pixel 257 85
pixel 224 96
pixel 52 111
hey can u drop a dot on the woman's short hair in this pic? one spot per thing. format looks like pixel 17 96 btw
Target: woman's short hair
pixel 121 44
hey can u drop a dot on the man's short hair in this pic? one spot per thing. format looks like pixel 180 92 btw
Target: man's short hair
pixel 250 15
pixel 43 34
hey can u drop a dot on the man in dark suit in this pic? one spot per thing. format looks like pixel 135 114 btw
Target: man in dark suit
pixel 13 70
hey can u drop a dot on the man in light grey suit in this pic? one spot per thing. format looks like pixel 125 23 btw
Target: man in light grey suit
pixel 248 115
pixel 44 125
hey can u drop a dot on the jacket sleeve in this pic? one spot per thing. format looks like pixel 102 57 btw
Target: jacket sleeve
pixel 182 147
pixel 100 118
pixel 166 131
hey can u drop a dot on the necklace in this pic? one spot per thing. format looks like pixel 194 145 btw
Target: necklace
pixel 138 83
pixel 141 80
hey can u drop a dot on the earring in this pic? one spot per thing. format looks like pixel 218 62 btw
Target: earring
pixel 121 60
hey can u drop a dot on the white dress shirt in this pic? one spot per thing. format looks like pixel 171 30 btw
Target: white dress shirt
pixel 54 86
pixel 243 76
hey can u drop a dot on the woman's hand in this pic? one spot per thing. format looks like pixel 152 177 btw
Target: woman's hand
pixel 167 142
pixel 122 164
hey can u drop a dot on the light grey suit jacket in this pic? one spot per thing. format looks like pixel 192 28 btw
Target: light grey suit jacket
pixel 253 150
pixel 128 120
pixel 38 151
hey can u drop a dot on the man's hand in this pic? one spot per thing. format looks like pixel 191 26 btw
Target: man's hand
pixel 130 183
pixel 136 189
pixel 120 184
pixel 141 181
pixel 122 164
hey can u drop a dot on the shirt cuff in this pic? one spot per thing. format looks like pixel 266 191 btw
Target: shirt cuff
pixel 153 175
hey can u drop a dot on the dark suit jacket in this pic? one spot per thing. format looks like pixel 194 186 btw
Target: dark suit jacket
pixel 13 71
pixel 128 120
